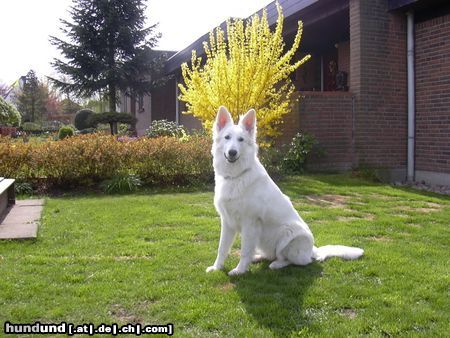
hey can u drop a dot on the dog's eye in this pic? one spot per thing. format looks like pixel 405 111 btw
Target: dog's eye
pixel 240 139
pixel 227 137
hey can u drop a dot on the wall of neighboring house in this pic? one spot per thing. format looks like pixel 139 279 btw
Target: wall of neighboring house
pixel 159 105
pixel 143 114
pixel 189 121
pixel 163 102
pixel 140 108
pixel 378 74
pixel 432 65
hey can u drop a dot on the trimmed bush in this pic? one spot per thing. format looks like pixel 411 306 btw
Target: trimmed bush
pixel 51 126
pixel 165 128
pixel 82 119
pixel 65 131
pixel 31 127
pixel 94 158
pixel 112 119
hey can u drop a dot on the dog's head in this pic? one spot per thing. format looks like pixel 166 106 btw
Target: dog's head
pixel 234 144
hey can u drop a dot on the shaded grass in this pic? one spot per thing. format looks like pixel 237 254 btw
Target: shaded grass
pixel 141 258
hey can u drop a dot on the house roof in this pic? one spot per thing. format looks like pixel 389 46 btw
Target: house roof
pixel 290 8
pixel 185 54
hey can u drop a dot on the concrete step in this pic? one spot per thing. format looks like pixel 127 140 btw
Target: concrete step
pixel 7 195
pixel 21 220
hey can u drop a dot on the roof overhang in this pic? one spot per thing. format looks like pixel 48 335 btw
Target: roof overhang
pixel 291 8
pixel 417 5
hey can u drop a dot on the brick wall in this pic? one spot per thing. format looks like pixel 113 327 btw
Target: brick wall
pixel 378 75
pixel 433 94
pixel 328 116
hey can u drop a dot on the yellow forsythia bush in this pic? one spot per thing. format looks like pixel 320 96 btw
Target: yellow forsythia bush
pixel 93 158
pixel 246 68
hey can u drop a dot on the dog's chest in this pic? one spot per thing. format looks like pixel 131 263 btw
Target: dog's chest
pixel 232 201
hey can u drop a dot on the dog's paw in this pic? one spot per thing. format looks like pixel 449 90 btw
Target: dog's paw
pixel 278 264
pixel 236 272
pixel 320 258
pixel 213 268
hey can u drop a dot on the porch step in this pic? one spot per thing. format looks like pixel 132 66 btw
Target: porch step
pixel 21 220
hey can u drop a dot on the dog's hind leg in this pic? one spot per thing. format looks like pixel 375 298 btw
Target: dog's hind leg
pixel 299 251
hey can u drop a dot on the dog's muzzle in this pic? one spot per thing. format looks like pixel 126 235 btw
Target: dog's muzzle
pixel 232 156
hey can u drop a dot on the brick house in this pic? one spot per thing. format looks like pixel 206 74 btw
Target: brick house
pixel 366 102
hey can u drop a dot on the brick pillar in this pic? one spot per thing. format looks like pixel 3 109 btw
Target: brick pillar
pixel 378 81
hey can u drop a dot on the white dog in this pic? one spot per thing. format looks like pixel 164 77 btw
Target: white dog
pixel 249 202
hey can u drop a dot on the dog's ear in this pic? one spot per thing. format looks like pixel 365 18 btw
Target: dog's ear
pixel 248 121
pixel 223 118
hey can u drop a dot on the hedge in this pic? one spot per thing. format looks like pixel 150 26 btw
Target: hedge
pixel 86 159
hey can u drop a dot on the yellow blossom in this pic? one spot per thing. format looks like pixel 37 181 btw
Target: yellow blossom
pixel 246 68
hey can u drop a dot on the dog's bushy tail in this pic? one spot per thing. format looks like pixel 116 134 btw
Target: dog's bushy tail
pixel 345 252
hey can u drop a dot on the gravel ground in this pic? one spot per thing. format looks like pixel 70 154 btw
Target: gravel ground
pixel 440 189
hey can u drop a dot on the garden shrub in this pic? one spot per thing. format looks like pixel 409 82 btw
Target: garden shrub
pixel 9 115
pixel 65 131
pixel 111 118
pixel 298 150
pixel 16 159
pixel 165 128
pixel 272 159
pixel 121 184
pixel 94 158
pixel 247 65
pixel 124 129
pixel 23 188
pixel 31 127
pixel 82 119
pixel 169 161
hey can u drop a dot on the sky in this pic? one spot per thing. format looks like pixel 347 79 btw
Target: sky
pixel 25 27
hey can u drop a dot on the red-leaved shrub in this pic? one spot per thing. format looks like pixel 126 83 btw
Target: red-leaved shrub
pixel 92 158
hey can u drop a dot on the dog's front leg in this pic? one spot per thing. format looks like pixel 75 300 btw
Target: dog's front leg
pixel 248 245
pixel 227 235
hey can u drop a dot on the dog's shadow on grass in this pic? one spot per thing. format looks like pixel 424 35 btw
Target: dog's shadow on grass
pixel 275 298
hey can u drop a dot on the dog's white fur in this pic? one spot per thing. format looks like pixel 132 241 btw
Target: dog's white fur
pixel 249 202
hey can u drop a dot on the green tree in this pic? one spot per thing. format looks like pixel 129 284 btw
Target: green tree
pixel 32 101
pixel 68 106
pixel 109 50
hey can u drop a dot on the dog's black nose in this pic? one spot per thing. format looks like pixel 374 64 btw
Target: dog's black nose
pixel 232 153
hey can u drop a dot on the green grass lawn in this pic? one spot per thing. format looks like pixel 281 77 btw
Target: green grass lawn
pixel 142 258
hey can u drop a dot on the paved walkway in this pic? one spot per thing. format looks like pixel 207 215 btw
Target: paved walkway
pixel 21 222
